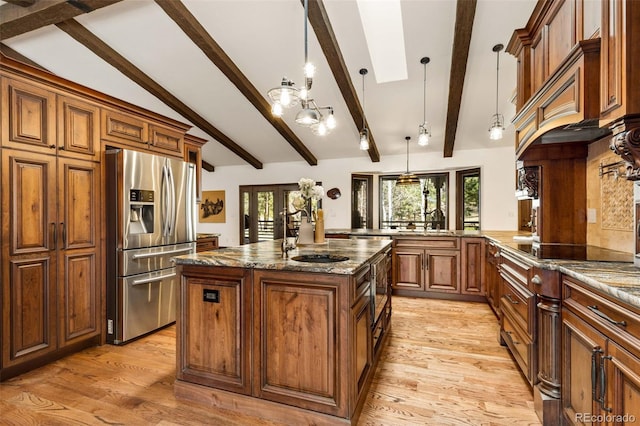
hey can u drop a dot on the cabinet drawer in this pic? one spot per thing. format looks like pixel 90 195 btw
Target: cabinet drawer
pixel 439 243
pixel 125 129
pixel 520 303
pixel 612 318
pixel 513 268
pixel 520 345
pixel 166 140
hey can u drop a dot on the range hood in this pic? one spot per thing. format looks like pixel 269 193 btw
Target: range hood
pixel 585 131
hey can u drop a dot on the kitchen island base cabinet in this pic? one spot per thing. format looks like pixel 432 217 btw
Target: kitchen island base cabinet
pixel 287 345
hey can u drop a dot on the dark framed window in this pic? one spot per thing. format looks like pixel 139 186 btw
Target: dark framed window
pixel 468 199
pixel 361 201
pixel 424 206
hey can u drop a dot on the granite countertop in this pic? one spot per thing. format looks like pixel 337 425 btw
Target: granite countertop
pixel 617 277
pixel 268 255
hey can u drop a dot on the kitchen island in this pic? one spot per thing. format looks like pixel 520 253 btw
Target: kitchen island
pixel 280 338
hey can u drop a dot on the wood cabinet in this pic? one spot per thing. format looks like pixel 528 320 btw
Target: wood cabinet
pixel 381 291
pixel 601 357
pixel 193 154
pixel 51 225
pixel 492 277
pixel 439 267
pixel 206 243
pixel 215 328
pixel 619 63
pixel 292 346
pixel 51 249
pixel 519 318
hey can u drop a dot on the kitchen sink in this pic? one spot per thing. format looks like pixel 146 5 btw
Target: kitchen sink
pixel 320 258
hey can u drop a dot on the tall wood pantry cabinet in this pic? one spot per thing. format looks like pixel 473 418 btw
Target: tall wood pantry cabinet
pixel 51 208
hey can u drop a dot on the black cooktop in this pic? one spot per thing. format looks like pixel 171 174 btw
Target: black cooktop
pixel 575 252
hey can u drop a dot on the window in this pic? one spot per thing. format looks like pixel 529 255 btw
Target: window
pixel 468 199
pixel 361 201
pixel 425 205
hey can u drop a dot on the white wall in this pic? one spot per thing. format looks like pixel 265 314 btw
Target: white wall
pixel 498 203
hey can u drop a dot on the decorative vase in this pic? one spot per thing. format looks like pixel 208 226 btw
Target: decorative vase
pixel 319 232
pixel 305 233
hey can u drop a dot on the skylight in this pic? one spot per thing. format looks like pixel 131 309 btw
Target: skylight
pixel 383 30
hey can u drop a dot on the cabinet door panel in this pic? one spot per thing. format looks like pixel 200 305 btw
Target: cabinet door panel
pixel 28 310
pixel 78 129
pixel 582 349
pixel 28 117
pixel 79 182
pixel 408 269
pixel 473 266
pixel 28 202
pixel 79 294
pixel 442 271
pixel 623 380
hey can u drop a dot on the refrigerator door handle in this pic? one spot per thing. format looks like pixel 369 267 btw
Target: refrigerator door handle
pixel 165 200
pixel 161 253
pixel 172 200
pixel 152 280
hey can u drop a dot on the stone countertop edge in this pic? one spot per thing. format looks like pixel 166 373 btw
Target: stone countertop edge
pixel 620 280
pixel 268 255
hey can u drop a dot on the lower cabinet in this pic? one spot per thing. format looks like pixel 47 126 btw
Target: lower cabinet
pixel 423 267
pixel 492 277
pixel 600 357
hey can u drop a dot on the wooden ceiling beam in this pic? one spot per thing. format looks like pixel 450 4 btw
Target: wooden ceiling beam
pixel 326 37
pixel 21 3
pixel 199 35
pixel 104 51
pixel 16 18
pixel 465 12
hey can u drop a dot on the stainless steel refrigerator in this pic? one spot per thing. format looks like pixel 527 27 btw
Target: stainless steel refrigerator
pixel 151 216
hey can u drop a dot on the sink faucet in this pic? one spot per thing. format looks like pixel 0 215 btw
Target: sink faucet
pixel 286 246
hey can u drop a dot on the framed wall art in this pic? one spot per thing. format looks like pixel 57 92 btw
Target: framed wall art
pixel 212 207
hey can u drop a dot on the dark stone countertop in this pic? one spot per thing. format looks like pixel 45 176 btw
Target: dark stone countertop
pixel 268 255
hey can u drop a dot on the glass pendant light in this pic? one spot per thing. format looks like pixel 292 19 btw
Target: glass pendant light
pixel 364 132
pixel 407 178
pixel 497 120
pixel 424 130
pixel 287 95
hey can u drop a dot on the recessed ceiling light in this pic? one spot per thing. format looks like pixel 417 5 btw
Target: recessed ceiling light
pixel 383 30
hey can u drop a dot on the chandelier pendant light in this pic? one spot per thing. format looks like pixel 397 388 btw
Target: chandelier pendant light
pixel 364 132
pixel 424 130
pixel 320 119
pixel 407 178
pixel 497 121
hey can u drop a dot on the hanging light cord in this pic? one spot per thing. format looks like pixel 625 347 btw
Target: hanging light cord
pixel 497 79
pixel 407 155
pixel 363 102
pixel 424 110
pixel 306 14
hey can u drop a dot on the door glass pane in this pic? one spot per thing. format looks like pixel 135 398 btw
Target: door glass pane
pixel 471 202
pixel 360 203
pixel 265 215
pixel 246 198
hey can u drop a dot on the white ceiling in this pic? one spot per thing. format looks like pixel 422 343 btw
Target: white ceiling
pixel 265 40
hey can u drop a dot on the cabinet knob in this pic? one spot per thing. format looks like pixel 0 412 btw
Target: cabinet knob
pixel 52 146
pixel 496 254
pixel 536 280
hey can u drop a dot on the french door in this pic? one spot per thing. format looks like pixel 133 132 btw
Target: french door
pixel 260 211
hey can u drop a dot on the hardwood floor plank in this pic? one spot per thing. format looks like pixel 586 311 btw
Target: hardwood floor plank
pixel 443 365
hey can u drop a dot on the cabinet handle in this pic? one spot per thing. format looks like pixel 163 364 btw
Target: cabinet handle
pixel 54 235
pixel 509 333
pixel 511 299
pixel 536 280
pixel 598 312
pixel 52 146
pixel 594 373
pixel 63 232
pixel 603 384
pixel 61 148
pixel 612 99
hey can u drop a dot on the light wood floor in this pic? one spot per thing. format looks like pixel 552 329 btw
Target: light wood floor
pixel 443 366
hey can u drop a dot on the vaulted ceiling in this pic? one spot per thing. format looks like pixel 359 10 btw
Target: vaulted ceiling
pixel 210 63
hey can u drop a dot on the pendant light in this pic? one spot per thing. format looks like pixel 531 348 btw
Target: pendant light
pixel 287 95
pixel 424 130
pixel 497 121
pixel 407 178
pixel 364 133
